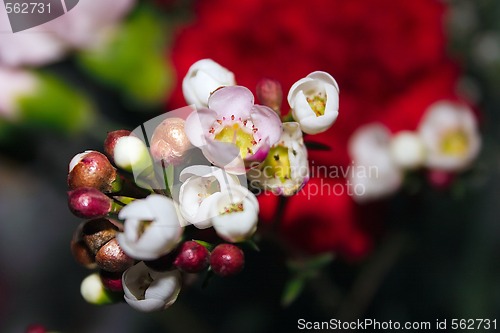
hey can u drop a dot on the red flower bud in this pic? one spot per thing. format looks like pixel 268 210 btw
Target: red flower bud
pixel 227 260
pixel 93 169
pixel 439 179
pixel 270 94
pixel 36 328
pixel 88 202
pixel 192 257
pixel 112 280
pixel 111 139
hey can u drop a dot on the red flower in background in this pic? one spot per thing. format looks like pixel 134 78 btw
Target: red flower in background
pixel 387 56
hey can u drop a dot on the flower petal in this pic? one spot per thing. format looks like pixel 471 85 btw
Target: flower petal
pixel 232 100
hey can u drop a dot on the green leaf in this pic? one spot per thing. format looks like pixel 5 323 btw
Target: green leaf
pixel 56 106
pixel 133 60
pixel 293 289
pixel 207 245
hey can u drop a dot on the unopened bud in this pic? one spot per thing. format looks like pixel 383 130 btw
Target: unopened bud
pixel 88 202
pixel 440 179
pixel 132 155
pixel 192 257
pixel 407 150
pixel 270 94
pixel 97 232
pixel 112 280
pixel 169 142
pixel 111 257
pixel 93 291
pixel 93 169
pixel 227 260
pixel 111 139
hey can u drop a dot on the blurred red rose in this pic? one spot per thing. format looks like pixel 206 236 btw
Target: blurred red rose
pixel 374 47
pixel 383 54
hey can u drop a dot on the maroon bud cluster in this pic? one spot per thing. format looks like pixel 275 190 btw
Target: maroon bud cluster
pixel 227 260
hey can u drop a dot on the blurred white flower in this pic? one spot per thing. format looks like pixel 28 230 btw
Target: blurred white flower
pixel 147 290
pixel 450 135
pixel 201 186
pixel 202 79
pixel 14 84
pixel 93 291
pixel 315 102
pixel 285 169
pixel 407 150
pixel 235 214
pixel 374 170
pixel 151 227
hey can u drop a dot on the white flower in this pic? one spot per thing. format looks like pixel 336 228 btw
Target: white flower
pixel 235 214
pixel 202 79
pixel 15 84
pixel 151 227
pixel 374 173
pixel 450 135
pixel 315 102
pixel 147 290
pixel 285 169
pixel 407 150
pixel 201 186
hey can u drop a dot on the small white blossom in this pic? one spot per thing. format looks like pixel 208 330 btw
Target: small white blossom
pixel 315 102
pixel 450 135
pixel 151 227
pixel 285 169
pixel 235 214
pixel 147 290
pixel 202 79
pixel 374 169
pixel 201 186
pixel 407 150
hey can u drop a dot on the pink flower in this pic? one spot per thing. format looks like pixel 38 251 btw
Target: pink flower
pixel 233 129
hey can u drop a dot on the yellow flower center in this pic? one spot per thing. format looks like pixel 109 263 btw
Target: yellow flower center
pixel 277 163
pixel 317 104
pixel 237 135
pixel 233 208
pixel 455 143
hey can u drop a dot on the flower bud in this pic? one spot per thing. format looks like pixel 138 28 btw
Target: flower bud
pixel 93 291
pixel 407 150
pixel 112 281
pixel 270 94
pixel 202 79
pixel 97 232
pixel 147 290
pixel 132 155
pixel 169 142
pixel 439 179
pixel 93 169
pixel 192 257
pixel 88 202
pixel 111 139
pixel 36 328
pixel 111 257
pixel 82 254
pixel 227 260
pixel 15 84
